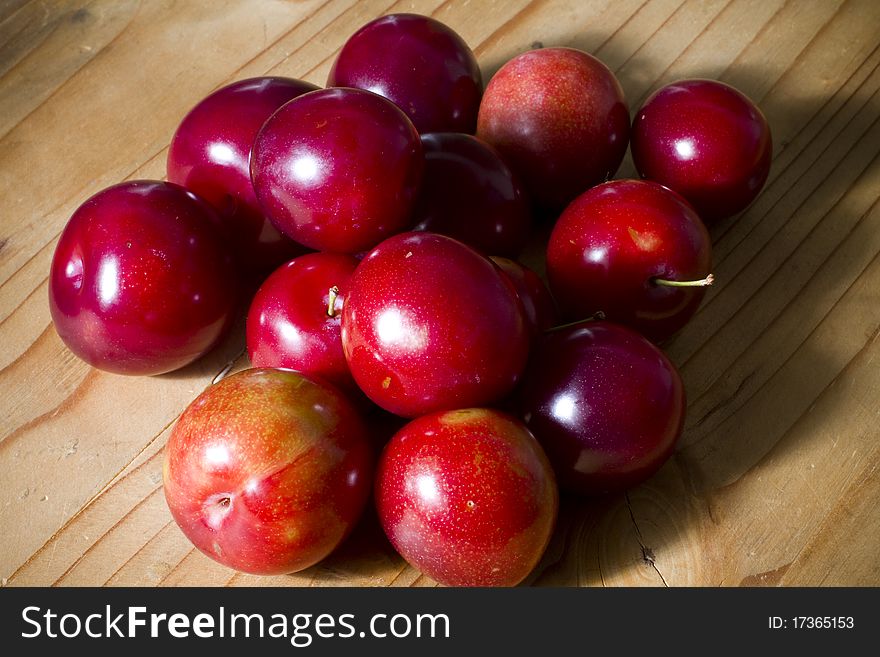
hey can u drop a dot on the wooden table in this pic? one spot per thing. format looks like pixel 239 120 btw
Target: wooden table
pixel 776 479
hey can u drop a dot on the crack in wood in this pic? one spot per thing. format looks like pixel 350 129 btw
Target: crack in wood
pixel 647 553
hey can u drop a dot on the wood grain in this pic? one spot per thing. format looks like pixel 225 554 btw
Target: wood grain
pixel 775 481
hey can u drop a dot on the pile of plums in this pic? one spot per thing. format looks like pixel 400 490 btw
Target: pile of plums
pixel 378 221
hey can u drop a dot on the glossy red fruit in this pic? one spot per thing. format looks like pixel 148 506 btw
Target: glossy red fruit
pixel 470 194
pixel 606 404
pixel 419 64
pixel 538 304
pixel 210 155
pixel 559 118
pixel 292 322
pixel 614 243
pixel 267 471
pixel 429 324
pixel 142 282
pixel 705 140
pixel 338 169
pixel 467 497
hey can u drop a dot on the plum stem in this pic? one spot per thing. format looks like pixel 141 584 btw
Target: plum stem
pixel 703 282
pixel 595 317
pixel 331 301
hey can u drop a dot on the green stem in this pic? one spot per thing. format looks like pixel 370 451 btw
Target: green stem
pixel 703 282
pixel 595 317
pixel 331 301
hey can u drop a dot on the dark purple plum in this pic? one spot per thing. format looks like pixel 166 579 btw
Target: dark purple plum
pixel 142 280
pixel 210 155
pixel 469 193
pixel 705 140
pixel 607 405
pixel 537 302
pixel 338 169
pixel 419 64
